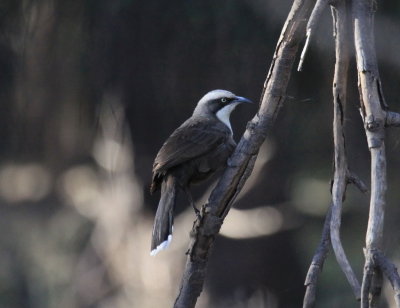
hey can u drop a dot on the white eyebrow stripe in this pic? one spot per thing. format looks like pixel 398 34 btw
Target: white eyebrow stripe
pixel 215 94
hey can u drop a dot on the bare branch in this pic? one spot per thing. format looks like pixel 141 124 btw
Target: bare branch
pixel 367 281
pixel 311 25
pixel 371 101
pixel 372 280
pixel 341 174
pixel 373 113
pixel 340 23
pixel 242 161
pixel 317 263
pixel 376 287
pixel 305 48
pixel 354 179
pixel 390 271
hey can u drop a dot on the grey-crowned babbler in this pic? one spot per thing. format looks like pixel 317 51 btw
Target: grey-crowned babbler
pixel 194 151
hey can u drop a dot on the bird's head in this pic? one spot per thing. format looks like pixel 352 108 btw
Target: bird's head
pixel 219 103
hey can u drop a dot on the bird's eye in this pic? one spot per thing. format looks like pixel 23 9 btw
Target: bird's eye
pixel 223 99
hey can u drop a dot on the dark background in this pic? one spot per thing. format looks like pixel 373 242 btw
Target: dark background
pixel 89 91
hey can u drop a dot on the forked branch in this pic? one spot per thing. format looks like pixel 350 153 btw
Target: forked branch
pixel 374 115
pixel 341 175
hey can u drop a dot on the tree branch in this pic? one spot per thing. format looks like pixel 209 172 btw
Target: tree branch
pixel 354 179
pixel 367 281
pixel 390 271
pixel 311 25
pixel 375 117
pixel 242 161
pixel 373 113
pixel 317 263
pixel 339 13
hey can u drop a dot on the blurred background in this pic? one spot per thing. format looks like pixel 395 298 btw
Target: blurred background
pixel 90 90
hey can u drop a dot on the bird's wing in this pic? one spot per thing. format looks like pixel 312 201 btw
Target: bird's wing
pixel 191 140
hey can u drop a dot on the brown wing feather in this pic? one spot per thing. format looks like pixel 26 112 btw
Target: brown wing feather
pixel 192 139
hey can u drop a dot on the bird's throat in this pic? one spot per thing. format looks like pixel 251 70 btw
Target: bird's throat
pixel 224 113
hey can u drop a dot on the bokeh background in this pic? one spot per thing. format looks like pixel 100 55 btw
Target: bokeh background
pixel 90 89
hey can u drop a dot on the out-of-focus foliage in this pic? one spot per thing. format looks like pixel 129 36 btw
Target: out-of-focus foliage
pixel 90 89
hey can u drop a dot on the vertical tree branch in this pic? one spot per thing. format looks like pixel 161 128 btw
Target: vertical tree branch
pixel 242 161
pixel 317 263
pixel 340 22
pixel 373 113
pixel 341 174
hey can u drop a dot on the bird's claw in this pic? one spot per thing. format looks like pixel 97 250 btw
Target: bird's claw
pixel 197 212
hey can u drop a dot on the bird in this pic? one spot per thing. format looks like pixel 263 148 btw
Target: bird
pixel 192 153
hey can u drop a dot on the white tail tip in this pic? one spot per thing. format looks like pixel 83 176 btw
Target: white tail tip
pixel 162 246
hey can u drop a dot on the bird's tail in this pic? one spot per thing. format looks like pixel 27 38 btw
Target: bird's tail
pixel 164 219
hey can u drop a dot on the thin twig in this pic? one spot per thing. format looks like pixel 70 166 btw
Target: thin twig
pixel 354 179
pixel 316 13
pixel 340 23
pixel 317 263
pixel 242 161
pixel 305 49
pixel 390 271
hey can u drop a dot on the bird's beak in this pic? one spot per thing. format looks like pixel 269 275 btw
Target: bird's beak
pixel 239 99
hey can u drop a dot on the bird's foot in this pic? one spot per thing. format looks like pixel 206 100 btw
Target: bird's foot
pixel 197 212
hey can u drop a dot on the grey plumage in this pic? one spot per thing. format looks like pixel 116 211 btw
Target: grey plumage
pixel 194 151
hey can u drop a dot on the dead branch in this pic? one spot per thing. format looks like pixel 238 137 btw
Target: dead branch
pixel 311 25
pixel 373 116
pixel 354 179
pixel 373 109
pixel 242 161
pixel 341 174
pixel 340 21
pixel 367 281
pixel 317 263
pixel 390 271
